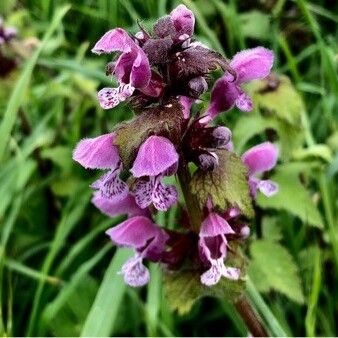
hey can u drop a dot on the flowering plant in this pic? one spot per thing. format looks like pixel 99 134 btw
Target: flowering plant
pixel 162 74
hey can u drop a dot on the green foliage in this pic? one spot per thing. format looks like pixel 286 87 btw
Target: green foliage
pixel 226 185
pixel 272 268
pixel 53 252
pixel 184 288
pixel 278 107
pixel 292 196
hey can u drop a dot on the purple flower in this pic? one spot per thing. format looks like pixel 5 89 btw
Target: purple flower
pixel 156 158
pixel 132 68
pixel 148 240
pixel 261 158
pixel 250 64
pixel 184 22
pixel 213 249
pixel 111 207
pixel 100 153
pixel 6 33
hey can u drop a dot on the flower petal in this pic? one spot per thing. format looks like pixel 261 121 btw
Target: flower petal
pixel 112 208
pixel 154 157
pixel 231 273
pixel 261 158
pixel 115 40
pixel 143 191
pixel 214 225
pixel 111 97
pixel 134 272
pixel 164 196
pixel 97 153
pixel 252 64
pixel 244 102
pixel 212 276
pixel 186 103
pixel 111 186
pixel 135 232
pixel 155 249
pixel 184 20
pixel 141 72
pixel 267 187
pixel 223 97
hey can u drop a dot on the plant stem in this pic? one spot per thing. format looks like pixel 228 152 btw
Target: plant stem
pixel 250 317
pixel 242 305
pixel 194 211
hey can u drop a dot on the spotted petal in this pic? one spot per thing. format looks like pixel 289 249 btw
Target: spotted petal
pixel 134 272
pixel 111 186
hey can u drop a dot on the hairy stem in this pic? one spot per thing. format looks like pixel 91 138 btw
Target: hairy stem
pixel 242 305
pixel 250 317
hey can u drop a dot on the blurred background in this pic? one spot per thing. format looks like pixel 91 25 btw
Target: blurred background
pixel 58 269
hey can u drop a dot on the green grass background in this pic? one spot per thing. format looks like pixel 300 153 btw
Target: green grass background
pixel 58 269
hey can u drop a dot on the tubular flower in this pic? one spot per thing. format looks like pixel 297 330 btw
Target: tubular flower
pixel 132 68
pixel 100 153
pixel 163 73
pixel 156 158
pixel 248 65
pixel 259 159
pixel 148 241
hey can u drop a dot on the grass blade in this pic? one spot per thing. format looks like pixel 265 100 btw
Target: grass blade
pixel 269 318
pixel 102 316
pixel 17 96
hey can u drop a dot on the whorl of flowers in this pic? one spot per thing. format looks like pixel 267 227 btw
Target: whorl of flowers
pixel 161 74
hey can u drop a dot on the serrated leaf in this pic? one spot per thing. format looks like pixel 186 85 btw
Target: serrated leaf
pixel 276 270
pixel 184 288
pixel 247 126
pixel 161 120
pixel 284 102
pixel 227 184
pixel 292 196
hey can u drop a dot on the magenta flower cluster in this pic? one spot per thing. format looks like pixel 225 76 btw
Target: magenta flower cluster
pixel 162 68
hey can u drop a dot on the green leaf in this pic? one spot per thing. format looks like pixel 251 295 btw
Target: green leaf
pixel 321 151
pixel 282 101
pixel 292 196
pixel 165 120
pixel 273 268
pixel 184 288
pixel 255 24
pixel 226 185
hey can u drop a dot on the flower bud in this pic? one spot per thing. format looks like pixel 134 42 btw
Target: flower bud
pixel 197 86
pixel 222 136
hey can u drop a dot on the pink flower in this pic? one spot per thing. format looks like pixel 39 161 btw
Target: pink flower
pixel 100 153
pixel 213 249
pixel 261 158
pixel 146 238
pixel 250 64
pixel 132 68
pixel 156 158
